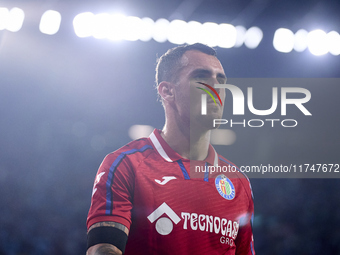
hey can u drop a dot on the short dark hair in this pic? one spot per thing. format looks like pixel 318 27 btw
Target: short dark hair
pixel 169 63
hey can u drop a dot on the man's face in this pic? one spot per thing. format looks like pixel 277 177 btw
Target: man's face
pixel 199 67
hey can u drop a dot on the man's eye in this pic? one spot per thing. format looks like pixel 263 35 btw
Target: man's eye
pixel 200 76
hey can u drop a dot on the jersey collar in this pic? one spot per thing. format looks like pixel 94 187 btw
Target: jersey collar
pixel 168 154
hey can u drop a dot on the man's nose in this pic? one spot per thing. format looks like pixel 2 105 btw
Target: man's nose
pixel 211 82
pixel 218 90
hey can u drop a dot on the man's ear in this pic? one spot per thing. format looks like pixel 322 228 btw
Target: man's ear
pixel 166 91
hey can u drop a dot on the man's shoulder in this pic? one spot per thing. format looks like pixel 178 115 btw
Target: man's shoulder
pixel 139 148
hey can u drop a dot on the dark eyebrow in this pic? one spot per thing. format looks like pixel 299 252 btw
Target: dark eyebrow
pixel 207 72
pixel 201 71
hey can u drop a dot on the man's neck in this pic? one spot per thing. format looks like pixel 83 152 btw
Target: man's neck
pixel 190 144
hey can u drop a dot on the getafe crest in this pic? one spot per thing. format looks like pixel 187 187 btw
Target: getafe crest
pixel 225 187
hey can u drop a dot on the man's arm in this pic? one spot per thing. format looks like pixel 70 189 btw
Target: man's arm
pixel 244 240
pixel 107 248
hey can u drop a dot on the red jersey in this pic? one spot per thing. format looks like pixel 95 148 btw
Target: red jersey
pixel 173 205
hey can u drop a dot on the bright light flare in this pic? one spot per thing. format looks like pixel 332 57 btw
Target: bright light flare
pixel 177 31
pixel 133 28
pixel 15 19
pixel 115 28
pixel 300 43
pixel 317 42
pixel 119 27
pixel 50 22
pixel 283 40
pixel 210 33
pixel 253 37
pixel 193 32
pixel 227 36
pixel 160 33
pixel 4 16
pixel 333 43
pixel 83 24
pixel 102 25
pixel 146 29
pixel 240 36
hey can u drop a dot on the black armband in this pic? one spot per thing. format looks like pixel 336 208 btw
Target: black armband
pixel 109 235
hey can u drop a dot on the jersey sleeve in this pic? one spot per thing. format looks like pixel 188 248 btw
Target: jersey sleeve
pixel 245 241
pixel 112 191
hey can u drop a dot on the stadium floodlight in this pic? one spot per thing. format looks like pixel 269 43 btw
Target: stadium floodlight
pixel 160 33
pixel 317 42
pixel 210 33
pixel 177 31
pixel 101 26
pixel 147 29
pixel 119 27
pixel 4 16
pixel 253 37
pixel 194 34
pixel 50 22
pixel 283 40
pixel 114 28
pixel 15 19
pixel 300 42
pixel 83 24
pixel 132 28
pixel 240 36
pixel 226 36
pixel 333 43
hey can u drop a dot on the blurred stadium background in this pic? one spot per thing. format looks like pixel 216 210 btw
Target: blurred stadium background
pixel 76 77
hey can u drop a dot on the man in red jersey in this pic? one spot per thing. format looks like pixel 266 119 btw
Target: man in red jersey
pixel 155 195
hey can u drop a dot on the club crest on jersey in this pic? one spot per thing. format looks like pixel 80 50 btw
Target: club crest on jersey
pixel 225 187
